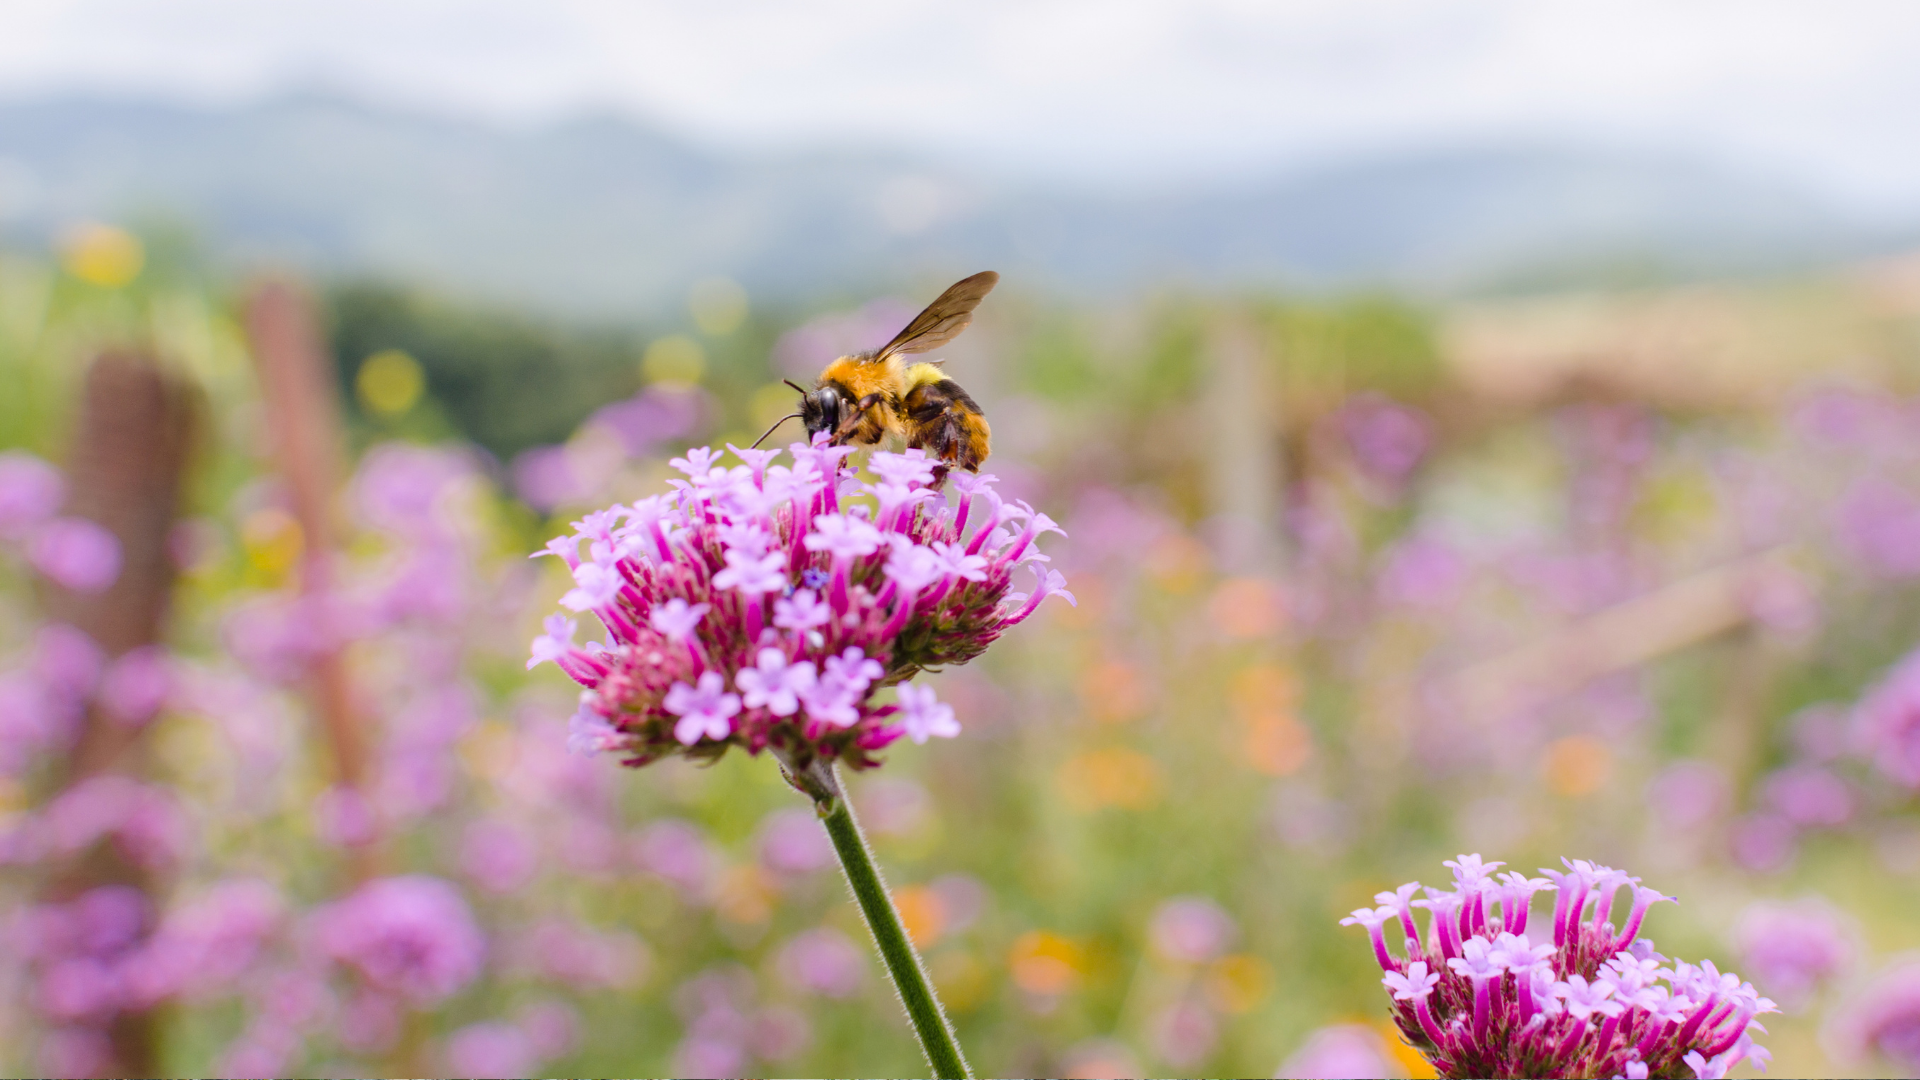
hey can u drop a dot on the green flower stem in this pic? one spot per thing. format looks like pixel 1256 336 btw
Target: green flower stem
pixel 889 934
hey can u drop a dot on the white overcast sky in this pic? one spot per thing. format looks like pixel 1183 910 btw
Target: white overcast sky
pixel 1127 91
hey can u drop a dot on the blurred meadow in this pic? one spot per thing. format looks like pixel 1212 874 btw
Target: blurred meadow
pixel 1592 560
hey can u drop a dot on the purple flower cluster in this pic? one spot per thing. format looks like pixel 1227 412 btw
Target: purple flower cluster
pixel 1479 998
pixel 763 605
pixel 71 551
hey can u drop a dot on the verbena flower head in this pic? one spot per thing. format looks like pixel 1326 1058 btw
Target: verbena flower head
pixel 765 605
pixel 1479 997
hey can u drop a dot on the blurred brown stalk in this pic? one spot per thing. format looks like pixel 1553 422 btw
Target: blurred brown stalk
pixel 129 455
pixel 303 422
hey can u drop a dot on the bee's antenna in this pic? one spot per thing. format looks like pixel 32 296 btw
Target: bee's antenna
pixel 796 386
pixel 771 430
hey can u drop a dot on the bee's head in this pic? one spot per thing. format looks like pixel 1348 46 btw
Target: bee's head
pixel 820 409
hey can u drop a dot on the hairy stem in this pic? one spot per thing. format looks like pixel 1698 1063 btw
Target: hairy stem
pixel 889 935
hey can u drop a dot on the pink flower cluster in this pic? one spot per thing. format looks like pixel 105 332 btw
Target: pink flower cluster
pixel 71 551
pixel 1479 998
pixel 763 605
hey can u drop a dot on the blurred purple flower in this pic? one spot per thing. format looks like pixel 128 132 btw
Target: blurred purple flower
pixel 490 1049
pixel 962 899
pixel 655 417
pixel 28 721
pixel 1888 722
pixel 1878 523
pixel 824 961
pixel 1341 1050
pixel 561 952
pixel 1765 842
pixel 706 1057
pixel 206 944
pixel 677 851
pixel 894 805
pixel 792 842
pixel 144 821
pixel 1689 794
pixel 1388 439
pixel 412 935
pixel 136 687
pixel 31 491
pixel 75 553
pixel 552 1026
pixel 278 637
pixel 67 661
pixel 1884 1019
pixel 404 489
pixel 369 1021
pixel 1191 929
pixel 1792 948
pixel 779 1033
pixel 1809 796
pixel 1422 572
pixel 804 350
pixel 1184 1034
pixel 499 855
pixel 343 817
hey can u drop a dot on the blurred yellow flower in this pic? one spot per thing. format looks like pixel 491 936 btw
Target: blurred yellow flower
pixel 1416 1066
pixel 1578 765
pixel 1043 962
pixel 102 254
pixel 390 382
pixel 745 895
pixel 272 539
pixel 1115 776
pixel 1238 983
pixel 923 912
pixel 675 361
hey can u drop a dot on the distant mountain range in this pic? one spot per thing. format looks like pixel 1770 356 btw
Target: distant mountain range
pixel 603 216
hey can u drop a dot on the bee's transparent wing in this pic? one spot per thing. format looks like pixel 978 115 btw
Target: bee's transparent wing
pixel 944 318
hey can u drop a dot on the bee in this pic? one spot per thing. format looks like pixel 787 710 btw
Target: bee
pixel 863 398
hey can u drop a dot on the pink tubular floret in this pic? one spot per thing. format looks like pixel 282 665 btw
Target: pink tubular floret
pixel 1477 998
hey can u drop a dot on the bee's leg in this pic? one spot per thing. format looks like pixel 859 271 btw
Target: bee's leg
pixel 855 416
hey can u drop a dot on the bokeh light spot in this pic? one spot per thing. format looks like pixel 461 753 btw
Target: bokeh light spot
pixel 1044 963
pixel 1115 776
pixel 1578 765
pixel 1238 983
pixel 272 540
pixel 675 361
pixel 102 255
pixel 923 912
pixel 390 383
